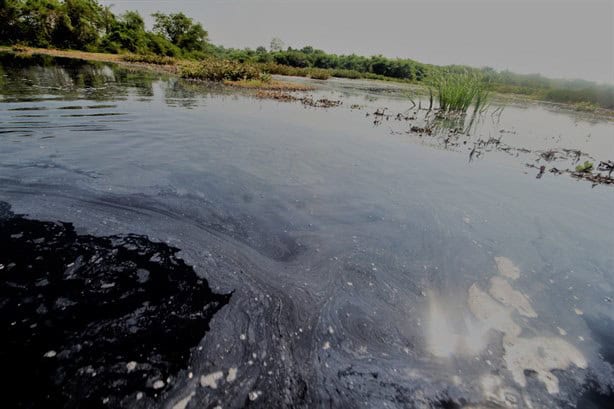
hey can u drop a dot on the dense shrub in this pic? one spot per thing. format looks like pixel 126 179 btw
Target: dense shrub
pixel 278 69
pixel 340 73
pixel 181 31
pixel 213 69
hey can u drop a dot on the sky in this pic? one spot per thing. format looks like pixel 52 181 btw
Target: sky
pixel 557 38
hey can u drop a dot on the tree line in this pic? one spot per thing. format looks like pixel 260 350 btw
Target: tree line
pixel 309 57
pixel 87 25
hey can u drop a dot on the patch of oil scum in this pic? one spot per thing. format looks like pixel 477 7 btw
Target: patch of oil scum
pixel 94 321
pixel 494 318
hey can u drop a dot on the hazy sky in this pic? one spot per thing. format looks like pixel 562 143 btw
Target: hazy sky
pixel 571 39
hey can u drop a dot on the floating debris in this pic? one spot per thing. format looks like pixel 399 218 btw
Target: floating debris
pixel 607 166
pixel 595 178
pixel 422 130
pixel 306 100
pixel 450 132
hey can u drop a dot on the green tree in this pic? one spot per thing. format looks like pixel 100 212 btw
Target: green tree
pixel 181 30
pixel 29 21
pixel 80 24
pixel 126 33
pixel 277 44
pixel 10 26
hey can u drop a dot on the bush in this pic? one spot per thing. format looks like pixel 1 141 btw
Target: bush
pixel 273 68
pixel 346 74
pixel 319 74
pixel 160 45
pixel 220 70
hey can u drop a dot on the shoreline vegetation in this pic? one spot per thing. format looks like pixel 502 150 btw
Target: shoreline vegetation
pixel 174 66
pixel 178 45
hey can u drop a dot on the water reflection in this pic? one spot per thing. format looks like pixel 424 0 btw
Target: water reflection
pixel 39 78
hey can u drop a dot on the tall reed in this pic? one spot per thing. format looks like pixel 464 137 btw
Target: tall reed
pixel 457 91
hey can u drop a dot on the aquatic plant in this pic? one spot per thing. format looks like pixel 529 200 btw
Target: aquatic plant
pixel 584 167
pixel 212 69
pixel 457 91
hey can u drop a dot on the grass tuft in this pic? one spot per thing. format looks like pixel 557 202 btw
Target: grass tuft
pixel 457 91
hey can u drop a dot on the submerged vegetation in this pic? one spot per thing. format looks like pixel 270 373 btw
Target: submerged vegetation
pixel 88 26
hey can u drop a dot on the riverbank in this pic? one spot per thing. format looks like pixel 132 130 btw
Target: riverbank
pixel 172 66
pixel 181 67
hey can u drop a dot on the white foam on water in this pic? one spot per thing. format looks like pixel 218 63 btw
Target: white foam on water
pixel 183 403
pixel 502 291
pixel 507 268
pixel 211 379
pixel 493 312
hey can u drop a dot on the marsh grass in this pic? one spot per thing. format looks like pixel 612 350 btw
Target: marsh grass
pixel 457 91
